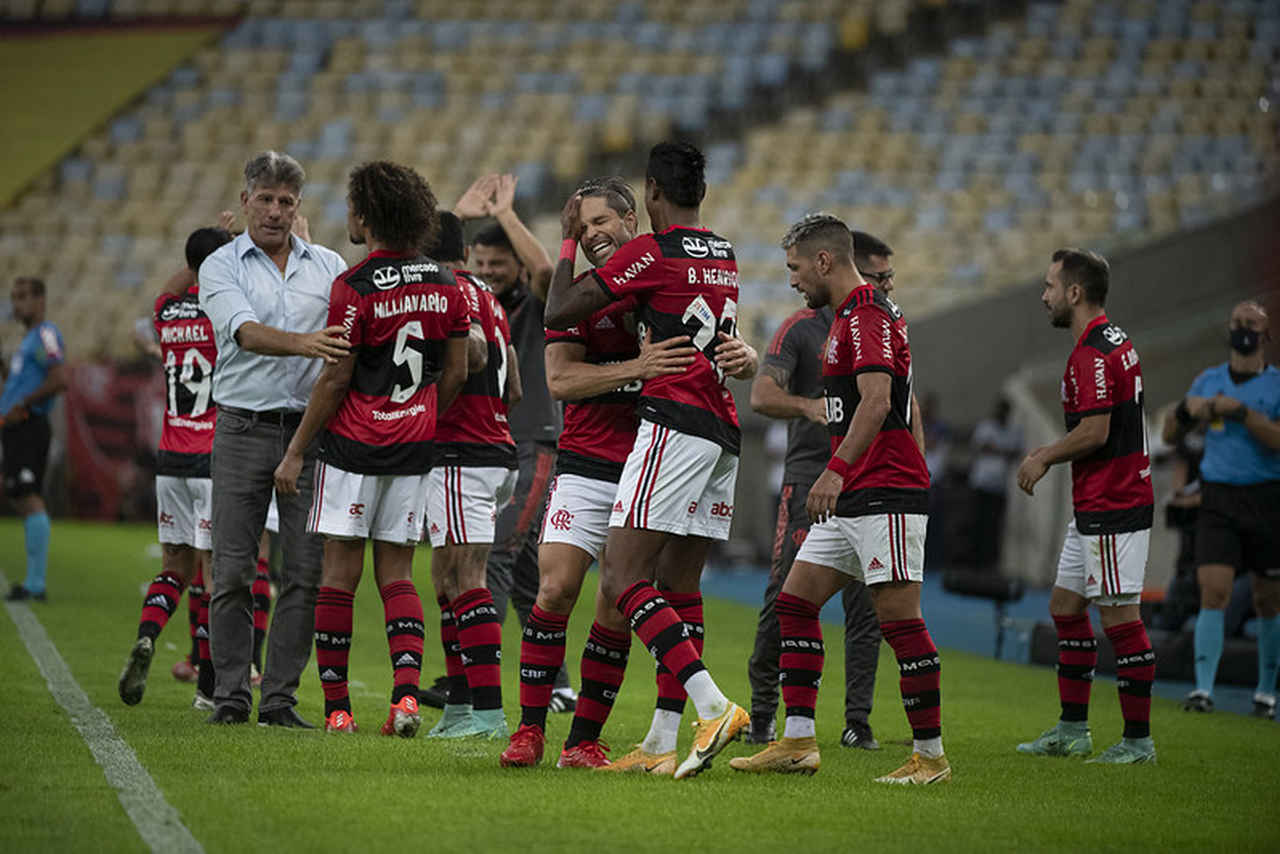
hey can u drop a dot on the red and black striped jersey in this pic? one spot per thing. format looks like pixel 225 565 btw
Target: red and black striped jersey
pixel 685 281
pixel 474 430
pixel 1110 488
pixel 189 354
pixel 398 311
pixel 599 431
pixel 869 334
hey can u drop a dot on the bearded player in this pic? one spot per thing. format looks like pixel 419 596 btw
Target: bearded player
pixel 407 324
pixel 869 509
pixel 675 495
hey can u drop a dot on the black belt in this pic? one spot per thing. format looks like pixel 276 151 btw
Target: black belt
pixel 280 417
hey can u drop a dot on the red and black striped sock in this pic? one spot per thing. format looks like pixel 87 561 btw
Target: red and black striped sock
pixel 671 695
pixel 205 680
pixel 604 663
pixel 480 636
pixel 163 596
pixel 194 591
pixel 541 655
pixel 261 609
pixel 1077 657
pixel 334 613
pixel 660 629
pixel 457 692
pixel 920 675
pixel 1135 672
pixel 801 654
pixel 402 610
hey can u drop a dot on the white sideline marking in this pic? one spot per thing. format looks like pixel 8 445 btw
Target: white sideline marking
pixel 158 823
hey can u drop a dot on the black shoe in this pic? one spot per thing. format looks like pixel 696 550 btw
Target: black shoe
pixel 563 701
pixel 763 729
pixel 18 593
pixel 859 735
pixel 228 713
pixel 436 695
pixel 1264 706
pixel 283 716
pixel 1197 701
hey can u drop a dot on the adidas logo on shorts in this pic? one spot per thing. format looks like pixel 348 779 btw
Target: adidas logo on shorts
pixel 875 564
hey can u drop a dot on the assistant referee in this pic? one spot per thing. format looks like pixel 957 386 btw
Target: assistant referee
pixel 1239 522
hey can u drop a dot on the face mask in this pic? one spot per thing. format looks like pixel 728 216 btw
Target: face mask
pixel 1245 341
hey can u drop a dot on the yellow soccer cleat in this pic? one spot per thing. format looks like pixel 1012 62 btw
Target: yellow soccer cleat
pixel 711 737
pixel 919 771
pixel 787 756
pixel 640 761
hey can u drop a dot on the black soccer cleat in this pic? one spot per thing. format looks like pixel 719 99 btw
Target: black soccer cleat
pixel 1197 701
pixel 133 679
pixel 859 735
pixel 436 695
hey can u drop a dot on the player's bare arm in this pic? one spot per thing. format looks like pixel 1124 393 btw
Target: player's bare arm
pixel 1262 428
pixel 532 254
pixel 1085 438
pixel 55 382
pixel 474 203
pixel 453 376
pixel 571 377
pixel 769 396
pixel 917 424
pixel 326 397
pixel 736 358
pixel 515 387
pixel 568 303
pixel 477 349
pixel 874 389
pixel 327 343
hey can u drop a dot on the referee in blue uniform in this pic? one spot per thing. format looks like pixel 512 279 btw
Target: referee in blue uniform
pixel 36 376
pixel 1239 522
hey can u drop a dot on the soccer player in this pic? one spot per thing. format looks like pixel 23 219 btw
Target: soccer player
pixel 790 386
pixel 598 369
pixel 869 509
pixel 676 491
pixel 407 324
pixel 37 374
pixel 1239 523
pixel 184 490
pixel 1104 556
pixel 473 476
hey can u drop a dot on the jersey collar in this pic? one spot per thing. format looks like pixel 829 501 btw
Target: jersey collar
pixel 855 295
pixel 1093 324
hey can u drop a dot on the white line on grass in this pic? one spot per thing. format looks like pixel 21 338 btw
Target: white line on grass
pixel 158 823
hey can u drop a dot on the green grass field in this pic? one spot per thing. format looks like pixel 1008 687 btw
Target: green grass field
pixel 247 788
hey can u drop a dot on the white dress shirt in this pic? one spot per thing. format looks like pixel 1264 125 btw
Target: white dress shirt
pixel 240 283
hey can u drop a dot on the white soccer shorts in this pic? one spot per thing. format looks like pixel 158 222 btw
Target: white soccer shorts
pixel 878 549
pixel 676 483
pixel 463 502
pixel 184 511
pixel 377 506
pixel 273 515
pixel 1107 569
pixel 578 511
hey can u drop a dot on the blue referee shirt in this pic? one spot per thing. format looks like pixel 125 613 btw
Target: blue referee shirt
pixel 40 350
pixel 1231 454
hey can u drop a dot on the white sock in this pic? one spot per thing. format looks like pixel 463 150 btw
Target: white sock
pixel 706 697
pixel 798 727
pixel 929 748
pixel 664 732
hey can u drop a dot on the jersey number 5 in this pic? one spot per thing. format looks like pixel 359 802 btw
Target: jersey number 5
pixel 410 356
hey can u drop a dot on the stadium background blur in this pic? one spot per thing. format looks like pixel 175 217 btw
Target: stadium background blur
pixel 975 137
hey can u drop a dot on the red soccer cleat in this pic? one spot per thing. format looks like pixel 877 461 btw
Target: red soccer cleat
pixel 340 721
pixel 403 719
pixel 185 671
pixel 587 754
pixel 525 749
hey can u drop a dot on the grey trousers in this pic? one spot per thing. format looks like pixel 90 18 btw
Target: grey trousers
pixel 861 626
pixel 245 454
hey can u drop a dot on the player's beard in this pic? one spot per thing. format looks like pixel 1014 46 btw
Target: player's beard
pixel 1060 318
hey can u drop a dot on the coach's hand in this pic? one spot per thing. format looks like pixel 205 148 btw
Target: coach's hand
pixel 816 410
pixel 1199 408
pixel 1030 472
pixel 327 344
pixel 733 355
pixel 287 473
pixel 1224 406
pixel 821 503
pixel 571 219
pixel 669 356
